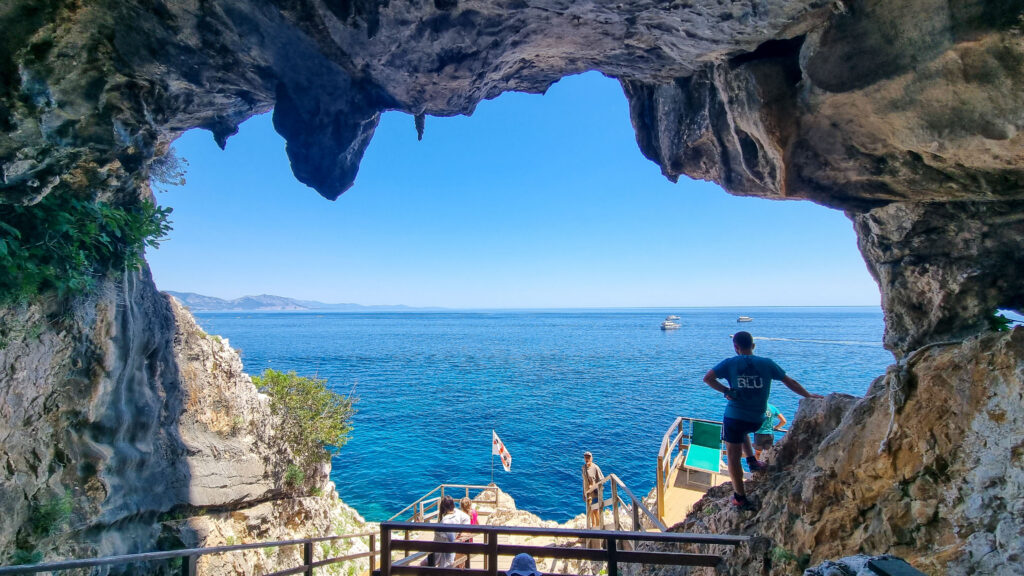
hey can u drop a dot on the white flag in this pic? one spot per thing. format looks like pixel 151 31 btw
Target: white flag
pixel 498 448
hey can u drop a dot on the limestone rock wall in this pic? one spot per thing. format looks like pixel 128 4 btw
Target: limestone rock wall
pixel 150 425
pixel 929 467
pixel 92 398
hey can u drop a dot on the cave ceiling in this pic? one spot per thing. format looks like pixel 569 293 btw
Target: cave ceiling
pixel 855 105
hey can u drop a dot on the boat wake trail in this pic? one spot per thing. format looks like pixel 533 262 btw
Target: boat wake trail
pixel 814 341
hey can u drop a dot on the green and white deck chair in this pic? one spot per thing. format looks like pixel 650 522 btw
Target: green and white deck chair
pixel 704 452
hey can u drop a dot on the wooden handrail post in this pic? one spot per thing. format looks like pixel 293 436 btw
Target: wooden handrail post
pixel 636 519
pixel 661 488
pixel 188 565
pixel 492 554
pixel 385 551
pixel 615 508
pixel 307 557
pixel 613 564
pixel 373 557
pixel 680 429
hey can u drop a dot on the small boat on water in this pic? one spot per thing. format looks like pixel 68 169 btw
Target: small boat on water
pixel 670 325
pixel 744 319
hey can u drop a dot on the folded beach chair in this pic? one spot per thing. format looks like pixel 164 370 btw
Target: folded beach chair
pixel 704 453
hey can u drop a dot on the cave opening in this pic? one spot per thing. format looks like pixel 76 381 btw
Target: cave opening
pixel 528 223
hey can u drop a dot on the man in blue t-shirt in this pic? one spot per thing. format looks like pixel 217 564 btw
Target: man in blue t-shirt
pixel 750 380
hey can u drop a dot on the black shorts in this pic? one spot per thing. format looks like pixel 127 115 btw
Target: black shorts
pixel 734 431
pixel 763 441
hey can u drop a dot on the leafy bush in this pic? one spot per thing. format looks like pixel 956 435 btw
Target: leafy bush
pixel 61 244
pixel 315 419
pixel 294 476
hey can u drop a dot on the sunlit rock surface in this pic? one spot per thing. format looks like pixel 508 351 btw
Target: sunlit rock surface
pixel 906 115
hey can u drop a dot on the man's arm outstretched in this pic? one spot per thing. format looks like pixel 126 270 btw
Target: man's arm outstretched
pixel 796 387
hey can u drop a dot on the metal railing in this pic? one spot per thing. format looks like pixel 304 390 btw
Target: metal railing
pixel 611 552
pixel 190 557
pixel 425 508
pixel 633 507
pixel 683 428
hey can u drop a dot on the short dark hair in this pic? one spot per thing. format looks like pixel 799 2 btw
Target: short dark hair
pixel 743 340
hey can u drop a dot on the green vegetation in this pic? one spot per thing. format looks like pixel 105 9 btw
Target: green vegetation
pixel 237 424
pixel 294 476
pixel 50 516
pixel 62 244
pixel 1000 323
pixel 782 556
pixel 22 556
pixel 315 419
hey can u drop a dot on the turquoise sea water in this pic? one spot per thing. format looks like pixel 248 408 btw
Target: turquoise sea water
pixel 432 386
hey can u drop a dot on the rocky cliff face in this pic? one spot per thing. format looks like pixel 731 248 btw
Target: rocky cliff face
pixel 906 115
pixel 151 431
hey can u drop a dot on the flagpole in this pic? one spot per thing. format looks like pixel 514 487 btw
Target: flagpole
pixel 492 456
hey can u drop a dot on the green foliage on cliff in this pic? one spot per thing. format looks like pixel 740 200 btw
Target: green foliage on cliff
pixel 62 244
pixel 51 515
pixel 294 477
pixel 315 419
pixel 1000 323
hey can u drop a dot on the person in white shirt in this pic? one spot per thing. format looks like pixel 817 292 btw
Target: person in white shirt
pixel 448 513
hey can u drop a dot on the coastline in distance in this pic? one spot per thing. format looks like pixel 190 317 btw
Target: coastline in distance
pixel 266 302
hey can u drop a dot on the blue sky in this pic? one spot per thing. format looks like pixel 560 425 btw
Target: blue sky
pixel 532 202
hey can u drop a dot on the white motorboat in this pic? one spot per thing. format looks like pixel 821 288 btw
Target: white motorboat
pixel 744 319
pixel 670 325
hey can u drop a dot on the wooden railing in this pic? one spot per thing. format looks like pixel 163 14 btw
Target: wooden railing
pixel 671 455
pixel 634 508
pixel 611 552
pixel 190 557
pixel 425 508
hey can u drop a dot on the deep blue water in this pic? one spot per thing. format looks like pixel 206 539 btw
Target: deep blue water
pixel 431 386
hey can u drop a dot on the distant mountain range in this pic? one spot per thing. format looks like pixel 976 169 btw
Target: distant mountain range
pixel 200 303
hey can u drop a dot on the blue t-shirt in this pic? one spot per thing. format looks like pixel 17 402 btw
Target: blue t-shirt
pixel 750 381
pixel 768 426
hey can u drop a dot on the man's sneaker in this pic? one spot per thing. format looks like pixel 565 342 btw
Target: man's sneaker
pixel 756 465
pixel 742 502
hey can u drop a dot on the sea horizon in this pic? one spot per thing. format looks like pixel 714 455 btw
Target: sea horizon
pixel 583 309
